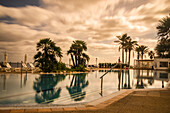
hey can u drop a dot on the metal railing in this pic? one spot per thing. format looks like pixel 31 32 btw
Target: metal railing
pixel 105 74
pixel 109 70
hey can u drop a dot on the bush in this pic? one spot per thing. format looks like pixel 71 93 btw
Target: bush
pixel 80 68
pixel 61 66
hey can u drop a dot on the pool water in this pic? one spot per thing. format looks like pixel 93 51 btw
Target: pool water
pixel 59 89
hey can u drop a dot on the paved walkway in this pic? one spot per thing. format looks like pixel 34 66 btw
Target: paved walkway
pixel 132 101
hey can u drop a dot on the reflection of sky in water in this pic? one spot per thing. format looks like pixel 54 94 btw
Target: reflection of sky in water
pixel 71 89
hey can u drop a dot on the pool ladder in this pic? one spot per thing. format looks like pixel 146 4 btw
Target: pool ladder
pixel 105 74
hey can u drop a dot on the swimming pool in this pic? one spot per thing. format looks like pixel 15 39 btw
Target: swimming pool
pixel 59 89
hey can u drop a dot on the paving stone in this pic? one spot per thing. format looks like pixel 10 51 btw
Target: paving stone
pixel 4 111
pixel 81 108
pixel 57 109
pixel 17 111
pixel 44 110
pixel 31 110
pixel 69 109
pixel 91 108
pixel 154 94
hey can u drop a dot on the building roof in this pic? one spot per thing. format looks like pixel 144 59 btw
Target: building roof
pixel 145 60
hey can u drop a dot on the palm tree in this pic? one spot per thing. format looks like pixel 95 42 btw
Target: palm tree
pixel 151 54
pixel 126 50
pixel 122 41
pixel 79 46
pixel 137 49
pixel 163 46
pixel 164 27
pixel 130 47
pixel 85 58
pixel 143 50
pixel 46 56
pixel 71 52
pixel 76 52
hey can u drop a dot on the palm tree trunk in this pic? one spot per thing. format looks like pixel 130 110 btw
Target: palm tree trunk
pixel 138 59
pixel 79 60
pixel 138 56
pixel 126 57
pixel 72 60
pixel 142 56
pixel 122 55
pixel 128 80
pixel 142 59
pixel 76 60
pixel 129 57
pixel 46 57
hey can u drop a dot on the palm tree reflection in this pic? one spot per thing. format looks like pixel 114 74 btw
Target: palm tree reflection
pixel 126 82
pixel 45 87
pixel 140 84
pixel 119 78
pixel 77 84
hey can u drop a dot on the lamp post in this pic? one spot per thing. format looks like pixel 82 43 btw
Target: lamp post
pixel 96 62
pixel 5 58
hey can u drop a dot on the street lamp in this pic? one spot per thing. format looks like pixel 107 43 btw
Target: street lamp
pixel 96 62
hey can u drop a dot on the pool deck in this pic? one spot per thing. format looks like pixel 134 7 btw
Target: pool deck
pixel 124 101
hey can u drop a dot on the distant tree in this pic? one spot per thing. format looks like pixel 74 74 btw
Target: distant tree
pixel 45 58
pixel 151 54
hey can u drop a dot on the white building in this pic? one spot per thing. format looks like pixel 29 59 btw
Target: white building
pixel 161 63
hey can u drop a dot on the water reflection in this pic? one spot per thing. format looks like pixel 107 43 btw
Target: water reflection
pixel 140 77
pixel 126 79
pixel 79 87
pixel 77 84
pixel 119 78
pixel 4 82
pixel 45 88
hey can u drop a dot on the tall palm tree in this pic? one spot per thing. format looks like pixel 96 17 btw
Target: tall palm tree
pixel 130 46
pixel 122 41
pixel 151 54
pixel 143 49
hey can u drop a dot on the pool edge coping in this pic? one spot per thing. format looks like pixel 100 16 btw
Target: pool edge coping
pixel 93 105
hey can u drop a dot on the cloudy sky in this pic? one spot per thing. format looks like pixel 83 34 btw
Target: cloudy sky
pixel 97 22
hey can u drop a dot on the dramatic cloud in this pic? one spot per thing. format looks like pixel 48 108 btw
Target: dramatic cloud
pixel 97 22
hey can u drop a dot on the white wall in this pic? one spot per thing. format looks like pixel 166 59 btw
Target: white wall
pixel 158 60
